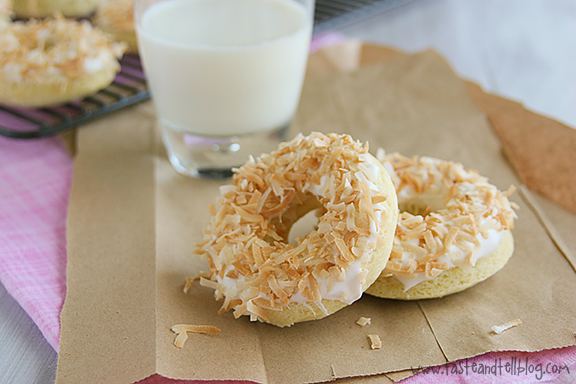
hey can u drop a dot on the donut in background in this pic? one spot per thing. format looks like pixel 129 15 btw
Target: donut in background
pixel 453 229
pixel 52 61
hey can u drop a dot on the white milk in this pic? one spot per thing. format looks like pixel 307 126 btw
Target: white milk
pixel 225 67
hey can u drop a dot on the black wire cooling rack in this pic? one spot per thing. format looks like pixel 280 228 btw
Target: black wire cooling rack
pixel 129 87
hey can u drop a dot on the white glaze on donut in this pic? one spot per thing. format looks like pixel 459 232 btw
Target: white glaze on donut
pixel 455 257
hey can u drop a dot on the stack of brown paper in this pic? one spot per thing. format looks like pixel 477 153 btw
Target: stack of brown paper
pixel 133 223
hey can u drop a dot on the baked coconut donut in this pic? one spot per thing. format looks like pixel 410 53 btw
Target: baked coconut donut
pixel 453 230
pixel 48 8
pixel 257 272
pixel 116 17
pixel 54 61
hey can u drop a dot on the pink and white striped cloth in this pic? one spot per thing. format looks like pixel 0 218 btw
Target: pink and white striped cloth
pixel 34 185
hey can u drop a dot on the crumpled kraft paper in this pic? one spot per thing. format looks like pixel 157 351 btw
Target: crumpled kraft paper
pixel 133 223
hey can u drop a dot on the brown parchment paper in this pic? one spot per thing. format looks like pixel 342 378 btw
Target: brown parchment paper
pixel 133 222
pixel 549 145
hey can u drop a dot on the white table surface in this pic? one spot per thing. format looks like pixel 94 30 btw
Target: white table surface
pixel 523 49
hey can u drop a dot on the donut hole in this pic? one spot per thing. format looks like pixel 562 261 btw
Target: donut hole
pixel 422 205
pixel 304 225
pixel 299 219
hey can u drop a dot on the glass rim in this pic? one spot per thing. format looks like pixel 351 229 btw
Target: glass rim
pixel 215 48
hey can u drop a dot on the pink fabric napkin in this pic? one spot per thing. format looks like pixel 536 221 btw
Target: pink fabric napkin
pixel 34 186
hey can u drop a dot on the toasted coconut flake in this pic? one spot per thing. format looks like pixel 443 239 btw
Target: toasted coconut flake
pixel 364 321
pixel 510 191
pixel 450 237
pixel 182 330
pixel 277 289
pixel 189 282
pixel 208 283
pixel 180 339
pixel 344 250
pixel 375 342
pixel 255 310
pixel 378 199
pixel 210 330
pixel 499 329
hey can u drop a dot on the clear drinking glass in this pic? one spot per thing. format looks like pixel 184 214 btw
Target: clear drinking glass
pixel 225 76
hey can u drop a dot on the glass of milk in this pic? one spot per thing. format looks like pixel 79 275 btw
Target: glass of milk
pixel 225 76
